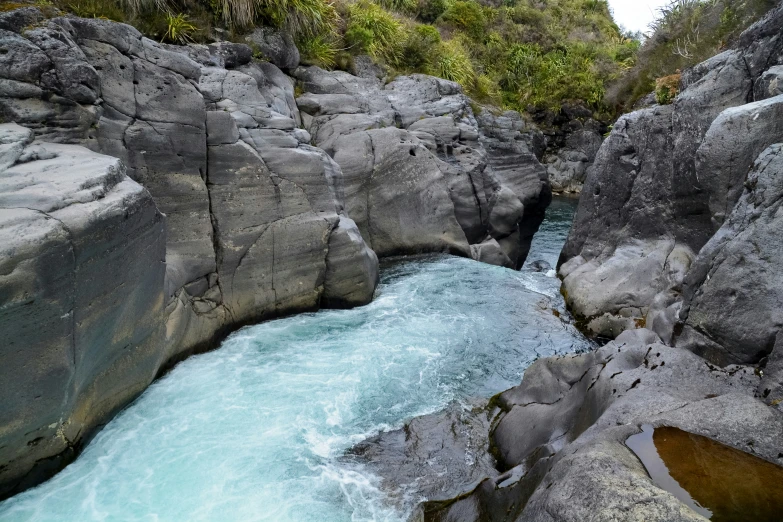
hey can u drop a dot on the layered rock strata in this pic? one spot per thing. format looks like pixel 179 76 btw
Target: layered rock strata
pixel 82 257
pixel 254 226
pixel 421 170
pixel 573 138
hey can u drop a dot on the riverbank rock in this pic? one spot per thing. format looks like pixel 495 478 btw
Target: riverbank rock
pixel 81 299
pixel 662 184
pixel 733 308
pixel 559 437
pixel 572 139
pixel 417 159
pixel 255 223
pixel 443 454
pixel 272 205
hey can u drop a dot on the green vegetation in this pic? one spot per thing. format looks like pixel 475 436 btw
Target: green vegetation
pixel 687 32
pixel 667 88
pixel 519 54
pixel 373 30
pixel 513 53
pixel 452 62
pixel 179 29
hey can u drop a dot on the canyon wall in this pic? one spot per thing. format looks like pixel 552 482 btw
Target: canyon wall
pixel 664 183
pixel 156 197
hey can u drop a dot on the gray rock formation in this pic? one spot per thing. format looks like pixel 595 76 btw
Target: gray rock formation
pixel 443 454
pixel 422 173
pixel 733 308
pixel 559 437
pixel 276 46
pixel 770 388
pixel 255 222
pixel 572 140
pixel 662 184
pixel 568 166
pixel 677 230
pixel 81 286
pixel 733 142
pixel 624 248
pixel 271 207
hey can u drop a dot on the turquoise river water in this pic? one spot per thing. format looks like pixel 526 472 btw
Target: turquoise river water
pixel 253 431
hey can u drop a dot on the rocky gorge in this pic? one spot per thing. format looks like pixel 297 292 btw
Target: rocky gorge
pixel 156 197
pixel 672 259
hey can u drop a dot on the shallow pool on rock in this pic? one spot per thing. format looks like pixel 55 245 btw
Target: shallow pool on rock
pixel 253 430
pixel 719 482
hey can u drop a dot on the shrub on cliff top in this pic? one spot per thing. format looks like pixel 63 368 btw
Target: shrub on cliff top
pixel 417 52
pixel 473 42
pixel 667 88
pixel 467 16
pixel 686 33
pixel 375 31
pixel 453 63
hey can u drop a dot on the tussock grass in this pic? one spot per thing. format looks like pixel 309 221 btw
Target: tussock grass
pixel 520 54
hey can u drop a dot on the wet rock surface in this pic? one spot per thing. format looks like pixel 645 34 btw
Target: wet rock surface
pixel 559 437
pixel 443 454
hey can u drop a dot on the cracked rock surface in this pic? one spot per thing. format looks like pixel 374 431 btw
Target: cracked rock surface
pixel 422 172
pixel 733 307
pixel 245 220
pixel 264 205
pixel 677 230
pixel 82 262
pixel 662 184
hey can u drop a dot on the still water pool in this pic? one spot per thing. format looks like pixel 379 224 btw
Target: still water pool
pixel 253 431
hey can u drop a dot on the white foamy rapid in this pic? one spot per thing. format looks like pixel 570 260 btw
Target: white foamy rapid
pixel 253 430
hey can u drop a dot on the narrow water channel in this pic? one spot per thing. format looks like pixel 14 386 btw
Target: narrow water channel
pixel 253 431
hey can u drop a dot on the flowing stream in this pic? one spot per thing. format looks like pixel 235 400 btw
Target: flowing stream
pixel 253 431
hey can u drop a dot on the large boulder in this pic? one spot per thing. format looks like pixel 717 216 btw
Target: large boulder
pixel 81 299
pixel 733 142
pixel 398 195
pixel 347 282
pixel 625 247
pixel 514 148
pixel 733 308
pixel 443 454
